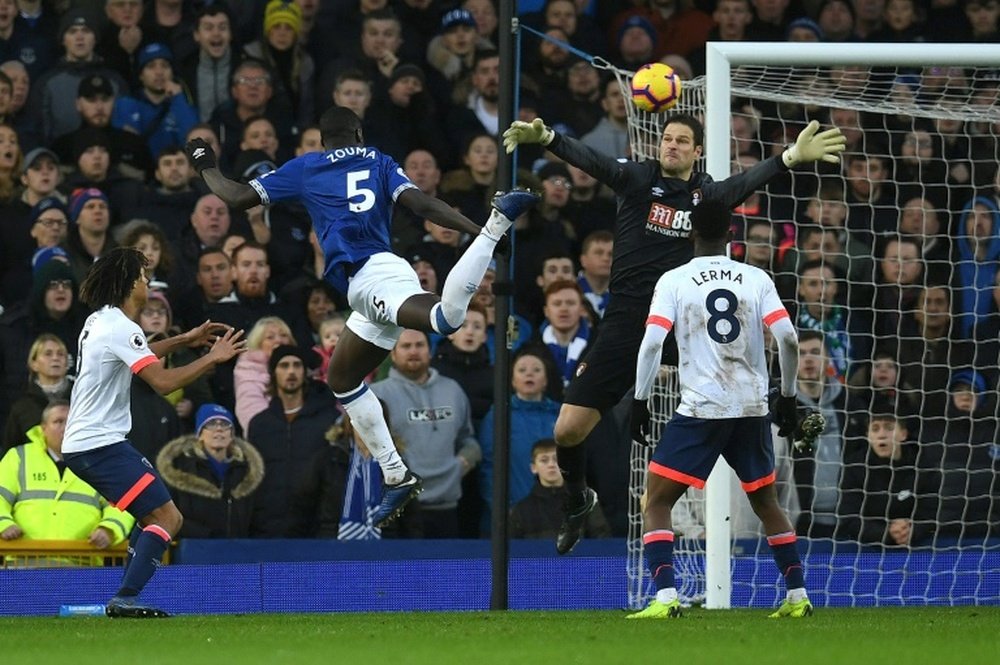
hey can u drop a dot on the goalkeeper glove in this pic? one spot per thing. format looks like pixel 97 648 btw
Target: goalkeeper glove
pixel 200 152
pixel 809 429
pixel 810 146
pixel 786 415
pixel 527 132
pixel 640 421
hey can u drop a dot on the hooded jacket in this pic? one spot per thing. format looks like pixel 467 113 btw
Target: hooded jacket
pixel 976 277
pixel 433 419
pixel 473 371
pixel 212 508
pixel 817 473
pixel 540 514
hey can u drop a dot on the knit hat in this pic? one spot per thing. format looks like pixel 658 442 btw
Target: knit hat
pixel 87 138
pixel 637 21
pixel 285 350
pixel 154 51
pixel 282 11
pixel 94 86
pixel 407 70
pixel 554 170
pixel 46 254
pixel 48 203
pixel 970 377
pixel 80 198
pixel 207 412
pixel 50 271
pixel 806 23
pixel 457 17
pixel 76 17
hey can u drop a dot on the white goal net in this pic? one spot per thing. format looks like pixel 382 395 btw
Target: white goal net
pixel 894 258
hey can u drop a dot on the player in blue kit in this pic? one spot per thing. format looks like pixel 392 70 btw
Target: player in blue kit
pixel 717 309
pixel 349 191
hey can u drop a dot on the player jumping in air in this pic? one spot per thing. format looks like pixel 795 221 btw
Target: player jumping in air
pixel 349 191
pixel 655 200
pixel 112 349
pixel 717 309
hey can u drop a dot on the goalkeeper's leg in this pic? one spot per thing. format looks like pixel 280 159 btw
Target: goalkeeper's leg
pixel 658 541
pixel 783 542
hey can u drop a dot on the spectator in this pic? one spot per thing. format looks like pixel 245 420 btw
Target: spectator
pixel 539 514
pixel 732 21
pixel 636 43
pixel 251 376
pixel 965 444
pixel 18 115
pixel 581 110
pixel 818 309
pixel 452 52
pixel 565 332
pixel 978 253
pixel 51 308
pixel 921 220
pixel 288 434
pixel 464 357
pixel 160 112
pixel 207 73
pixel 32 37
pixel 590 207
pixel 210 223
pixel 472 187
pixel 150 240
pixel 818 474
pixel 213 476
pixel 342 489
pixel 287 58
pixel 610 135
pixel 89 238
pixel 900 23
pixel 40 499
pixel 169 200
pixel 871 198
pixel 759 245
pixel 252 92
pixel 48 364
pixel 121 37
pixel 330 330
pixel 407 118
pixel 681 28
pixel 53 92
pixel 421 167
pixel 887 494
pixel 171 23
pixel 532 417
pixel 879 383
pixel 478 113
pixel 595 269
pixel 556 265
pixel 836 19
pixel 431 413
pixel 901 274
pixel 48 223
pixel 485 297
pixel 771 19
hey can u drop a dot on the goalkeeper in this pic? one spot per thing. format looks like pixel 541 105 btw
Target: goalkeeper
pixel 716 308
pixel 655 200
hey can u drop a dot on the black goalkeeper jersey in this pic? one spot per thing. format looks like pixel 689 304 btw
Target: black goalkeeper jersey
pixel 653 225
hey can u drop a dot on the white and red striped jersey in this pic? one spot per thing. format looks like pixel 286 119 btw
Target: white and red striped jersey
pixel 112 349
pixel 717 309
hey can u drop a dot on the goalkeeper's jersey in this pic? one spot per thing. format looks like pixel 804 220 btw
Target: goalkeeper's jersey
pixel 717 309
pixel 653 224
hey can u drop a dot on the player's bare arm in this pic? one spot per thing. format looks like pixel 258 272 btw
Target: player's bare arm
pixel 436 210
pixel 166 380
pixel 204 334
pixel 236 194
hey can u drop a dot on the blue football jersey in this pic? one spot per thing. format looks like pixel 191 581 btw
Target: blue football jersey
pixel 349 193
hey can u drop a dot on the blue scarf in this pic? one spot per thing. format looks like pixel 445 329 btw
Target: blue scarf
pixel 361 499
pixel 566 357
pixel 598 300
pixel 977 277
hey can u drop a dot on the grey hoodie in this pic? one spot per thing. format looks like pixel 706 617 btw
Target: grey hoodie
pixel 829 454
pixel 433 419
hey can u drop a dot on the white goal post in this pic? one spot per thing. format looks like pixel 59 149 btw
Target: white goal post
pixel 721 59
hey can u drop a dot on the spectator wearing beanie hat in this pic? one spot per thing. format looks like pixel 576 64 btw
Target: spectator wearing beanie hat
pixel 95 169
pixel 289 434
pixel 680 30
pixel 636 42
pixel 293 68
pixel 51 307
pixel 213 476
pixel 88 238
pixel 49 222
pixel 160 111
pixel 54 92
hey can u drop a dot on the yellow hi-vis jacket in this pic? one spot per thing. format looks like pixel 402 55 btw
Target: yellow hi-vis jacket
pixel 47 507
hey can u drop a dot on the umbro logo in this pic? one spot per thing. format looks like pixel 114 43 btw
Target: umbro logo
pixel 657 192
pixel 198 153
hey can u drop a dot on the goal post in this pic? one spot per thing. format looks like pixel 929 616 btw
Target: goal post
pixel 721 58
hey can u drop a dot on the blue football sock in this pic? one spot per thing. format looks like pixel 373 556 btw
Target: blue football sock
pixel 149 548
pixel 659 546
pixel 786 556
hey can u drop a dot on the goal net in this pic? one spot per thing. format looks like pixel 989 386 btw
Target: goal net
pixel 894 257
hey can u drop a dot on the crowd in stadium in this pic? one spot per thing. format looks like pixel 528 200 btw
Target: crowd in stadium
pixel 889 263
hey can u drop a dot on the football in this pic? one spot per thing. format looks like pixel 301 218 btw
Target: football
pixel 656 87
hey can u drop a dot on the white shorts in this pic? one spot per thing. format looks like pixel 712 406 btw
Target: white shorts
pixel 375 293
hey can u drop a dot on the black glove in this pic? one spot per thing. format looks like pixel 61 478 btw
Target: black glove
pixel 503 247
pixel 640 422
pixel 200 152
pixel 786 415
